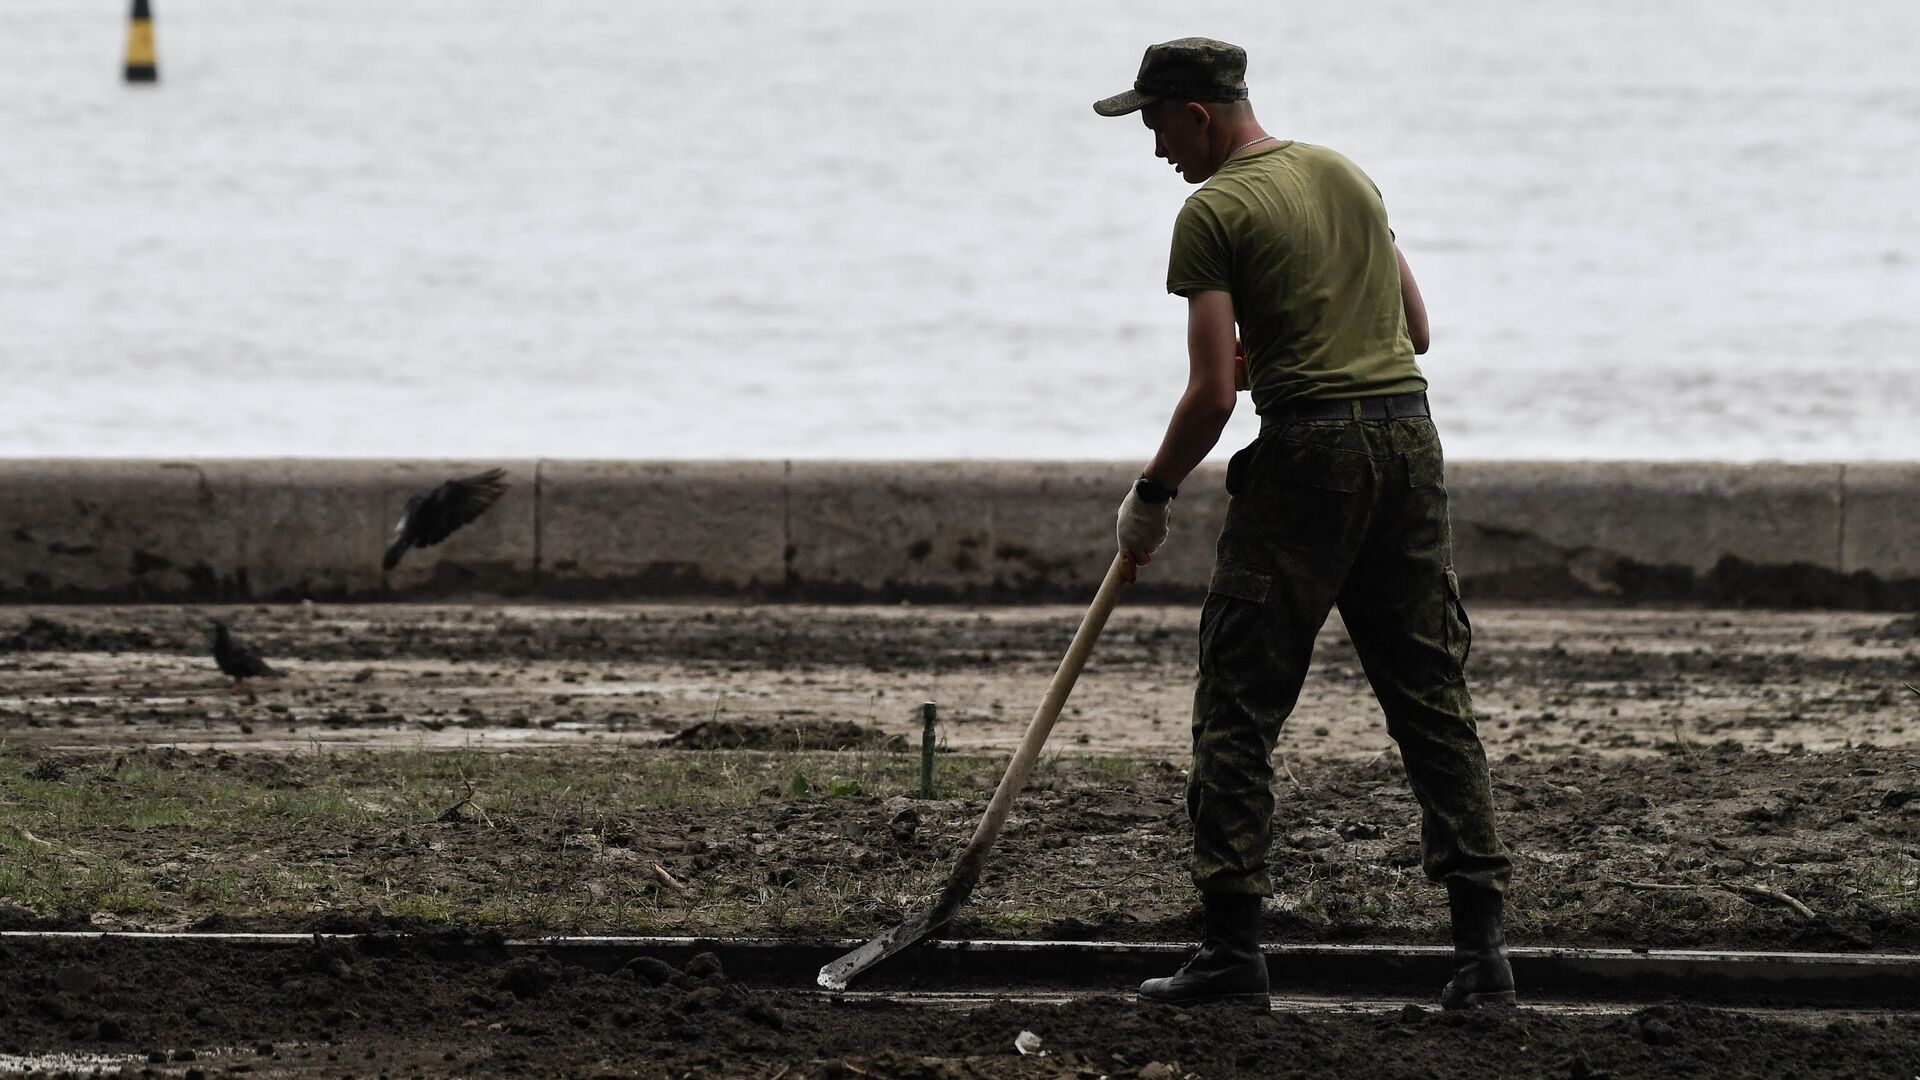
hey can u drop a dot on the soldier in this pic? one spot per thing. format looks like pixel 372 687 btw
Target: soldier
pixel 1339 501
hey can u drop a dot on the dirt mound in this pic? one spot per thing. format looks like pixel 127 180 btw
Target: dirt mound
pixel 41 634
pixel 797 735
pixel 379 993
pixel 467 1008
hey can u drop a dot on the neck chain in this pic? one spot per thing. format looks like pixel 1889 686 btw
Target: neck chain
pixel 1249 142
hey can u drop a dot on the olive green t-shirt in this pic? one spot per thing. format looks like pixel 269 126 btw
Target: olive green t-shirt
pixel 1298 235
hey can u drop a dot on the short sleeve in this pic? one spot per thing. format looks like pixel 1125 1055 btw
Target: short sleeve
pixel 1382 198
pixel 1200 259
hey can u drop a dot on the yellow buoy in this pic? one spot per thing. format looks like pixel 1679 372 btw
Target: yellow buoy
pixel 142 67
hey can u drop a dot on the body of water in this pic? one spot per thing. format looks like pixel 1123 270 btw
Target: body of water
pixel 861 228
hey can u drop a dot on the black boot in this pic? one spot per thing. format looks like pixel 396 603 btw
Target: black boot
pixel 1482 975
pixel 1229 965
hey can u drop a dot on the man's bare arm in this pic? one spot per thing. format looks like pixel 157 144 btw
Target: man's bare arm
pixel 1416 308
pixel 1208 402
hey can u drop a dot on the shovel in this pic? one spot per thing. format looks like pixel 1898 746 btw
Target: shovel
pixel 966 873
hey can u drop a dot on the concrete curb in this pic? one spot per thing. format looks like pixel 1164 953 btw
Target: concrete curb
pixel 1879 979
pixel 1836 535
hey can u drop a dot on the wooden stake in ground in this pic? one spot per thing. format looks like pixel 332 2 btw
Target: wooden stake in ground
pixel 966 873
pixel 929 716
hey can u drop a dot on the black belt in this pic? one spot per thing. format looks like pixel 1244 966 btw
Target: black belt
pixel 1391 407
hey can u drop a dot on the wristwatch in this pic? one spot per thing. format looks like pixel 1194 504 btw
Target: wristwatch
pixel 1152 492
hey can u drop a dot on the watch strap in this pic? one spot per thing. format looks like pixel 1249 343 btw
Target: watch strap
pixel 1153 492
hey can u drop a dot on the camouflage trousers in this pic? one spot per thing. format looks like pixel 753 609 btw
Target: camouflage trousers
pixel 1353 513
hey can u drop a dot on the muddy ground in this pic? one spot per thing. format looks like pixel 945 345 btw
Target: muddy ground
pixel 382 1008
pixel 1653 768
pixel 1665 778
pixel 1672 850
pixel 1546 681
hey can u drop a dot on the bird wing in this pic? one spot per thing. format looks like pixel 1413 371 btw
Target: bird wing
pixel 455 503
pixel 236 660
pixel 252 666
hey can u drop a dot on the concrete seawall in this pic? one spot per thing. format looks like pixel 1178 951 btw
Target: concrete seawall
pixel 1843 535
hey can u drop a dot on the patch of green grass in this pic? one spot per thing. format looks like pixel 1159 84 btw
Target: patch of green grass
pixel 221 892
pixel 1892 883
pixel 426 907
pixel 541 840
pixel 42 876
pixel 1109 769
pixel 180 836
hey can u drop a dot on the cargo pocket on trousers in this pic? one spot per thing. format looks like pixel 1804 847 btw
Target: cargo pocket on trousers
pixel 1233 621
pixel 1323 468
pixel 1459 629
pixel 1425 465
pixel 1241 582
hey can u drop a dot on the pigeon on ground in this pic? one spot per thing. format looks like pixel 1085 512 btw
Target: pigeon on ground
pixel 433 517
pixel 236 660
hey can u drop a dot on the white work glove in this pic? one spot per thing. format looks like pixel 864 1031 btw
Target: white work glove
pixel 1141 528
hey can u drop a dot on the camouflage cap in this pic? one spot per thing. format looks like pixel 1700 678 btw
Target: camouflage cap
pixel 1191 69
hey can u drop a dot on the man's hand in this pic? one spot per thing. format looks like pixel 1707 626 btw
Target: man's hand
pixel 1141 528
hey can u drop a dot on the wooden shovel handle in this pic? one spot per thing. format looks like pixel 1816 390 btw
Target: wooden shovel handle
pixel 966 872
pixel 1049 710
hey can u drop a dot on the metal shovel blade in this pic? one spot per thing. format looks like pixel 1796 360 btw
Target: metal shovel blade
pixel 841 973
pixel 966 874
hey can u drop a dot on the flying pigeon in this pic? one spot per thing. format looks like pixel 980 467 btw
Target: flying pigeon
pixel 433 517
pixel 236 660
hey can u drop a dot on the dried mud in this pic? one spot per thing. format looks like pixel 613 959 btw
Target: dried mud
pixel 1546 681
pixel 388 1008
